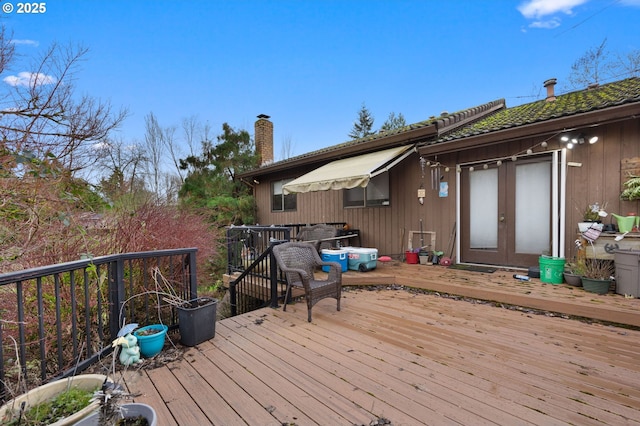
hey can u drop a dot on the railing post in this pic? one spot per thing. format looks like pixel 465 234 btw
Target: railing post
pixel 233 297
pixel 116 295
pixel 193 279
pixel 273 273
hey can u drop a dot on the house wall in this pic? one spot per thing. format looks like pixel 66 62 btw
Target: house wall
pixel 387 228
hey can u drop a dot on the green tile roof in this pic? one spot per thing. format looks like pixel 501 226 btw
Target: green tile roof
pixel 598 98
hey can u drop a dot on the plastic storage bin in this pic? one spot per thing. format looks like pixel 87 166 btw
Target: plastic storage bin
pixel 333 255
pixel 362 259
pixel 627 275
pixel 197 320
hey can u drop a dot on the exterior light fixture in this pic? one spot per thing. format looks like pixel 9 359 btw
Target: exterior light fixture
pixel 499 162
pixel 593 140
pixel 544 144
pixel 471 168
pixel 529 151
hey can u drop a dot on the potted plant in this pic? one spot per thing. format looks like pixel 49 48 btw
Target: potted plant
pixel 574 271
pixel 61 402
pixel 197 320
pixel 631 191
pixel 598 275
pixel 151 339
pixel 111 410
pixel 132 413
pixel 591 214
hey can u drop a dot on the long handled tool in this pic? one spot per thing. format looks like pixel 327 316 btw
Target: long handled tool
pixel 452 241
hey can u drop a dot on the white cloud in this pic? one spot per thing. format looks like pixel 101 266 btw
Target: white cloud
pixel 536 9
pixel 548 24
pixel 26 42
pixel 29 79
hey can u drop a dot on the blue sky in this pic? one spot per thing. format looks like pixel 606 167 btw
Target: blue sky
pixel 311 65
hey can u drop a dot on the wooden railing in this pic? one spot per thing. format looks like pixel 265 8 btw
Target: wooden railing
pixel 57 320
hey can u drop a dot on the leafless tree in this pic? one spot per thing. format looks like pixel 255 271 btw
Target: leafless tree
pixel 598 64
pixel 286 150
pixel 192 131
pixel 123 163
pixel 629 65
pixel 591 67
pixel 155 150
pixel 41 115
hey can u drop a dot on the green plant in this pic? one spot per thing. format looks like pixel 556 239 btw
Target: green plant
pixel 598 269
pixel 591 213
pixel 631 189
pixel 64 405
pixel 576 267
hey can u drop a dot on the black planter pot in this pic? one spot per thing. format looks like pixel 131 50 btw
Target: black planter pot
pixel 197 320
pixel 596 286
pixel 573 279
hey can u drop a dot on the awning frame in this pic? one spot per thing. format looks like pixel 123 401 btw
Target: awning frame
pixel 348 173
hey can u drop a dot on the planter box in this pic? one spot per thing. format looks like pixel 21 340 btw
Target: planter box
pixel 197 321
pixel 49 391
pixel 627 275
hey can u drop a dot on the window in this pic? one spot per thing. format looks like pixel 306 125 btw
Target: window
pixel 376 193
pixel 279 201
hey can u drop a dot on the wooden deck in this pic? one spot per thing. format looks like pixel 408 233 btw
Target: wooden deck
pixel 410 358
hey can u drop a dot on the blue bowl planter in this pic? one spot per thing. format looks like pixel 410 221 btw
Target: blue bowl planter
pixel 151 344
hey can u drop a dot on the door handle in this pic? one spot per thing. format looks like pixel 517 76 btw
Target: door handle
pixel 501 217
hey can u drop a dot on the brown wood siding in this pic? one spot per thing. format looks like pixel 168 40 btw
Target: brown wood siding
pixel 386 228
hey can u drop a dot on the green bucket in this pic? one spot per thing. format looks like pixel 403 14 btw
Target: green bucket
pixel 551 269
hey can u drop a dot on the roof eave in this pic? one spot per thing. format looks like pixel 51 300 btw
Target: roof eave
pixel 404 138
pixel 589 119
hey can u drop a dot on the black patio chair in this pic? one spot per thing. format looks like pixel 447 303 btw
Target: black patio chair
pixel 299 261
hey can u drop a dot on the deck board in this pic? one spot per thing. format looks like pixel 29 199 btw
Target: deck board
pixel 412 358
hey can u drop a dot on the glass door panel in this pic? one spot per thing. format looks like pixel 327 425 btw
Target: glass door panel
pixel 483 202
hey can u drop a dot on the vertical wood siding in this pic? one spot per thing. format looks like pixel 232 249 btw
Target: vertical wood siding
pixel 386 228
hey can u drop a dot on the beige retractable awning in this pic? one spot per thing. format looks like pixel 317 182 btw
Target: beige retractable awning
pixel 349 172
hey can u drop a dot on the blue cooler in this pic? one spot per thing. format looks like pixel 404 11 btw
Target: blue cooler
pixel 333 255
pixel 362 259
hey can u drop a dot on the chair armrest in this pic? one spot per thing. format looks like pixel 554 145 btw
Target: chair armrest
pixel 304 277
pixel 335 270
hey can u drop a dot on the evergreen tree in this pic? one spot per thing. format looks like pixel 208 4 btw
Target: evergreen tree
pixel 212 184
pixel 362 127
pixel 394 122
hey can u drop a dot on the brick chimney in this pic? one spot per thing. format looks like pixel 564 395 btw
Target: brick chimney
pixel 550 85
pixel 264 139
